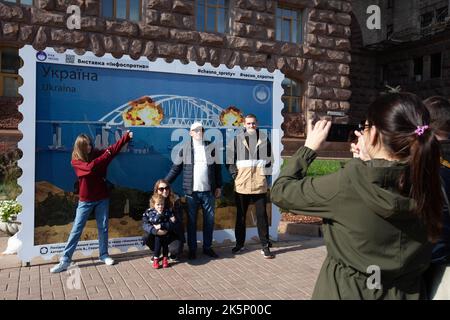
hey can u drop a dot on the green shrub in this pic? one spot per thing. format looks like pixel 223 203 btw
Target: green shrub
pixel 9 209
pixel 321 167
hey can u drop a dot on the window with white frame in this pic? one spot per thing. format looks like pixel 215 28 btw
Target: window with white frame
pixel 212 15
pixel 292 97
pixel 9 69
pixel 122 9
pixel 289 25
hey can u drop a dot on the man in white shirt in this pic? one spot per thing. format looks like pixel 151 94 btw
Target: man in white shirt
pixel 202 181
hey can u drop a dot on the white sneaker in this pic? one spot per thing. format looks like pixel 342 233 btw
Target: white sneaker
pixel 108 261
pixel 62 266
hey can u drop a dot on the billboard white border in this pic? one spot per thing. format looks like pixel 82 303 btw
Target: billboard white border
pixel 30 251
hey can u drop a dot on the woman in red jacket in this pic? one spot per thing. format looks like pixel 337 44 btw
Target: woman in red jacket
pixel 91 166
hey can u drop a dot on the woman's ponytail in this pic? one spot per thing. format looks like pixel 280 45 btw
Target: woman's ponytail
pixel 403 121
pixel 425 180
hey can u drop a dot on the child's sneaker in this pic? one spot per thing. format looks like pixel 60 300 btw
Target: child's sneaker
pixel 165 263
pixel 155 263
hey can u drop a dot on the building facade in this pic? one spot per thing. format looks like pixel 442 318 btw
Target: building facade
pixel 308 40
pixel 411 50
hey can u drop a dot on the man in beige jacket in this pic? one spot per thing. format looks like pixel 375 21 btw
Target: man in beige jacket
pixel 251 165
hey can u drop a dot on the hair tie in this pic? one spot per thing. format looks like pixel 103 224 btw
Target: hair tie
pixel 421 130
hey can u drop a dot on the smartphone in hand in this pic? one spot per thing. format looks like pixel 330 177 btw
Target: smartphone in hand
pixel 342 132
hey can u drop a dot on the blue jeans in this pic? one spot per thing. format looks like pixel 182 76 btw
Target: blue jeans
pixel 84 209
pixel 206 201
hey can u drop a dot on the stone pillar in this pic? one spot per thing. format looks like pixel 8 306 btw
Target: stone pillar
pixel 328 46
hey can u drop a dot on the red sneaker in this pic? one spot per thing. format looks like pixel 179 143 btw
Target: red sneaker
pixel 155 263
pixel 165 263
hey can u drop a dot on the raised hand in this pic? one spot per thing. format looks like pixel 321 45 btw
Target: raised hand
pixel 317 134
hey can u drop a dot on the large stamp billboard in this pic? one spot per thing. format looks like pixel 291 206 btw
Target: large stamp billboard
pixel 66 94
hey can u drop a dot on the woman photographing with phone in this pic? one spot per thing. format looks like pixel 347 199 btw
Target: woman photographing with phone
pixel 381 212
pixel 91 166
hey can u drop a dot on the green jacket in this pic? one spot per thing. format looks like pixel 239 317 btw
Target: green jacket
pixel 366 222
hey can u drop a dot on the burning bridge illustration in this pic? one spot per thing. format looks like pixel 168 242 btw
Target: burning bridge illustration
pixel 172 111
pixel 157 111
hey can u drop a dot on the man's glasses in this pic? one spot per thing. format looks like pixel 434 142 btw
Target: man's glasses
pixel 197 130
pixel 251 123
pixel 163 189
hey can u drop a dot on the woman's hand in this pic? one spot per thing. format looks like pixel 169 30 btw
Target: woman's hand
pixel 130 134
pixel 317 134
pixel 359 149
pixel 218 193
pixel 157 226
pixel 161 232
pixel 173 219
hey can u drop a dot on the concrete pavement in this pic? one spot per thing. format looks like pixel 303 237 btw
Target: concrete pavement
pixel 291 275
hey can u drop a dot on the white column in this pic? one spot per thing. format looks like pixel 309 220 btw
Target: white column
pixel 98 142
pixel 58 136
pixel 105 135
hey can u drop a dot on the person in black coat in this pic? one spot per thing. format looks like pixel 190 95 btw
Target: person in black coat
pixel 202 181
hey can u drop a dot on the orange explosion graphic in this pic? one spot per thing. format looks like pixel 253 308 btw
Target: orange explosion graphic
pixel 143 112
pixel 232 116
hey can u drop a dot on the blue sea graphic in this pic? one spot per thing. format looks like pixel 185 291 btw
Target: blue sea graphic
pixel 72 100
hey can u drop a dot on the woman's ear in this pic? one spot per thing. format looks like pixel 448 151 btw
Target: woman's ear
pixel 373 136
